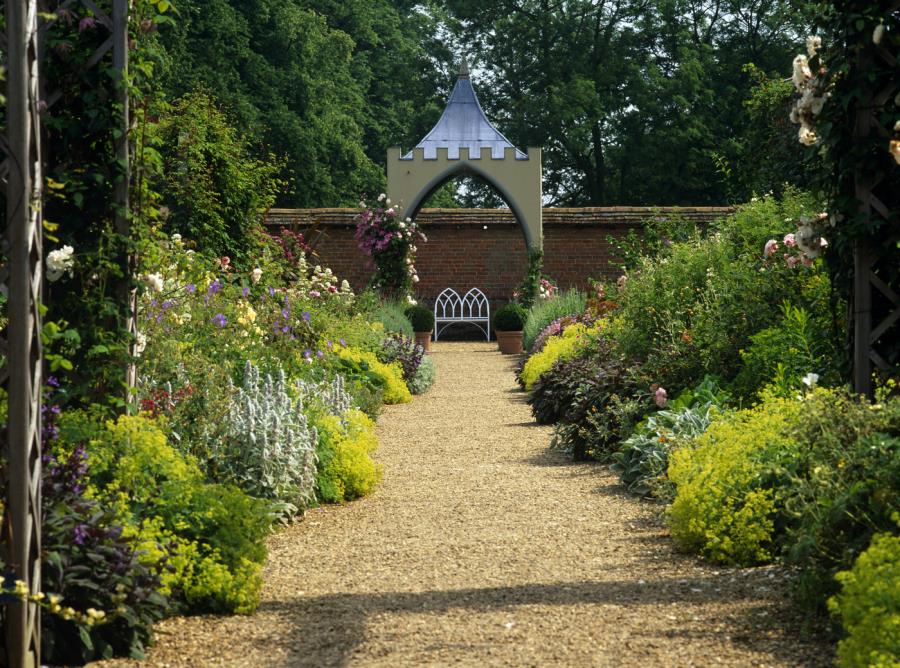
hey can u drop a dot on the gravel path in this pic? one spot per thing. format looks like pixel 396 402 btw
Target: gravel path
pixel 482 547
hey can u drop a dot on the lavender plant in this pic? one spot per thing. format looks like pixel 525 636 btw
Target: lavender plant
pixel 268 447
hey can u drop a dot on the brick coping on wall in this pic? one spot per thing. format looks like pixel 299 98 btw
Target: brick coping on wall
pixel 578 216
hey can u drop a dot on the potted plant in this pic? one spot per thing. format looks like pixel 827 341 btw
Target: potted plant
pixel 508 323
pixel 422 320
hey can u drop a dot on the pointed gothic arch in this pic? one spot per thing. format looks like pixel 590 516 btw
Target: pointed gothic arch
pixel 464 142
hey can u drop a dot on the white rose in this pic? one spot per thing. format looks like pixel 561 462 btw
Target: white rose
pixel 256 274
pixel 813 44
pixel 415 278
pixel 176 238
pixel 59 262
pixel 140 344
pixel 878 33
pixel 154 281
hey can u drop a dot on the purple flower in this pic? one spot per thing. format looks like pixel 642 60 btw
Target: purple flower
pixel 320 354
pixel 220 319
pixel 307 354
pixel 342 342
pixel 214 287
pixel 52 381
pixel 271 291
pixel 190 288
pixel 81 534
pixel 307 316
pixel 245 291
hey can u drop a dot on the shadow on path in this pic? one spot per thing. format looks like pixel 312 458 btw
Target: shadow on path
pixel 332 626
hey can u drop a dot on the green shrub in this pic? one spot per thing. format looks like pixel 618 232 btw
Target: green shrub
pixel 389 377
pixel 392 314
pixel 844 487
pixel 643 459
pixel 543 312
pixel 422 318
pixel 211 535
pixel 689 311
pixel 782 355
pixel 509 318
pixel 558 348
pixel 869 606
pixel 347 470
pixel 424 377
pixel 216 191
pixel 90 562
pixel 727 493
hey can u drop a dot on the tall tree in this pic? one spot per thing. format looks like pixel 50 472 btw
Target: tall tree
pixel 631 99
pixel 327 85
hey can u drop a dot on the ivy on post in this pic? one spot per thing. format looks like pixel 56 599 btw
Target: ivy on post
pixel 22 371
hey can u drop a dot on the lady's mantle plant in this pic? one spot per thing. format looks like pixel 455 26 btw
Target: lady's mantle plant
pixel 269 446
pixel 390 241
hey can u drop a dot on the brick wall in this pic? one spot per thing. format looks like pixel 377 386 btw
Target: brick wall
pixel 485 248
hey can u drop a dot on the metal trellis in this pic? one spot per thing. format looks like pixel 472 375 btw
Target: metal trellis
pixel 22 278
pixel 21 282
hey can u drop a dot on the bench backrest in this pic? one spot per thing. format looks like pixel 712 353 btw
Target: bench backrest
pixel 470 307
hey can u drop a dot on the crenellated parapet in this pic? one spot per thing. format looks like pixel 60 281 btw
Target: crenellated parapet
pixel 413 177
pixel 465 143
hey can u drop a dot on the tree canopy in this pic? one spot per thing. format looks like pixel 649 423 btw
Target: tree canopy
pixel 634 101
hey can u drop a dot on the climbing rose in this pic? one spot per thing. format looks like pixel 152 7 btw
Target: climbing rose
pixel 771 247
pixel 789 239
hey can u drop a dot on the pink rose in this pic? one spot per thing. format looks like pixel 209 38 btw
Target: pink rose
pixel 790 239
pixel 792 262
pixel 771 247
pixel 660 397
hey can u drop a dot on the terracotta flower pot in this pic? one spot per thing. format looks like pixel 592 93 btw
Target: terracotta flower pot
pixel 424 340
pixel 510 342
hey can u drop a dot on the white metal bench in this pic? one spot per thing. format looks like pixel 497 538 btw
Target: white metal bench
pixel 473 308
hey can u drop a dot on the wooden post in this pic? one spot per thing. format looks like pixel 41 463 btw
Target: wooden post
pixel 127 295
pixel 23 219
pixel 862 318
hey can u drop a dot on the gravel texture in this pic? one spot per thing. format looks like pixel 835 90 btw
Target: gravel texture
pixel 483 547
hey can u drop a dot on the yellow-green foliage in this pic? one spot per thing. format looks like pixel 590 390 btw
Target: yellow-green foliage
pixel 573 340
pixel 869 607
pixel 395 389
pixel 722 507
pixel 209 536
pixel 350 472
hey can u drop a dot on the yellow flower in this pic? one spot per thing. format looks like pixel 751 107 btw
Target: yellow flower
pixel 21 589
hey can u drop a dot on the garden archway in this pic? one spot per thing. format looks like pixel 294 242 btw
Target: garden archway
pixel 464 142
